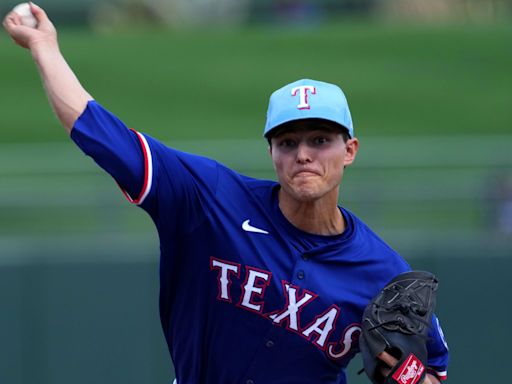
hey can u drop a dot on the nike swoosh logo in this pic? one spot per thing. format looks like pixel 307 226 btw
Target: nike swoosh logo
pixel 249 228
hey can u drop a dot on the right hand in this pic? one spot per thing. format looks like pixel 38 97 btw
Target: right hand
pixel 27 37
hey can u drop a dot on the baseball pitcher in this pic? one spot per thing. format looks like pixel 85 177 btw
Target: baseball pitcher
pixel 261 282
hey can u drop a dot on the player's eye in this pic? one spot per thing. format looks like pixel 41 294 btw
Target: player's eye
pixel 287 143
pixel 319 140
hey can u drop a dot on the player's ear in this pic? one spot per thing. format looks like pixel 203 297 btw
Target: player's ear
pixel 351 148
pixel 270 149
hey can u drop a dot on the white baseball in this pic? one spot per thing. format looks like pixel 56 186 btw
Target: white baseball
pixel 27 18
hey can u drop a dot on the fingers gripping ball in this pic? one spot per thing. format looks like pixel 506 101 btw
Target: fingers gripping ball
pixel 397 321
pixel 27 18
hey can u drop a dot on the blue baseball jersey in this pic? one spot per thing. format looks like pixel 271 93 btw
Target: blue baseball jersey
pixel 245 297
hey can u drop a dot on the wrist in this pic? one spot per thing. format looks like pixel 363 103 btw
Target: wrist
pixel 40 48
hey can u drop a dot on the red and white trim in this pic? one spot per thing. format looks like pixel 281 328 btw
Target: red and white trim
pixel 441 375
pixel 148 172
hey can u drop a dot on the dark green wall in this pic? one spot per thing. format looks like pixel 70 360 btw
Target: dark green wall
pixel 81 323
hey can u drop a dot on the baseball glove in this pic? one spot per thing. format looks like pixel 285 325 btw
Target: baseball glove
pixel 397 321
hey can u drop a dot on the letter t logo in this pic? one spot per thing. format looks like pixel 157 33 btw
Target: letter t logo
pixel 303 95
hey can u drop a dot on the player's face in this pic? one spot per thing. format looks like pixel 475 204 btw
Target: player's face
pixel 309 158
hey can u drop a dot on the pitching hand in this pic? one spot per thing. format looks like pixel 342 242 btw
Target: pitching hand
pixel 28 37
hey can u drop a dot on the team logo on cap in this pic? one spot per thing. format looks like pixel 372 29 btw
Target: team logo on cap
pixel 303 95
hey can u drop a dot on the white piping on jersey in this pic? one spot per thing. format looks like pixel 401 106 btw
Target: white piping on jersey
pixel 148 171
pixel 148 179
pixel 442 375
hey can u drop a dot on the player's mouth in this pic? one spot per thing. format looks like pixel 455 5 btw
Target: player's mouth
pixel 305 173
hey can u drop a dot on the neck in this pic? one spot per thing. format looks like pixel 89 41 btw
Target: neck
pixel 320 217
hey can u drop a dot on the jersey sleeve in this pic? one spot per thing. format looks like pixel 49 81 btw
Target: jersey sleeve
pixel 438 354
pixel 122 152
pixel 161 180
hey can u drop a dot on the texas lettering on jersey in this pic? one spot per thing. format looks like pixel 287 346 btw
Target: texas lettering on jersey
pixel 252 298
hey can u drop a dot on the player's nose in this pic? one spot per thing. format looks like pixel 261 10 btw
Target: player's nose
pixel 304 154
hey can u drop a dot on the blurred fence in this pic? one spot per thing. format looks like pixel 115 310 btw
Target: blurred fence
pixel 78 265
pixel 420 193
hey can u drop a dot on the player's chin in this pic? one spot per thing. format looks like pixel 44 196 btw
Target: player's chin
pixel 306 193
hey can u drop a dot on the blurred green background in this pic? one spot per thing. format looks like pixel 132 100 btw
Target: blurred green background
pixel 429 88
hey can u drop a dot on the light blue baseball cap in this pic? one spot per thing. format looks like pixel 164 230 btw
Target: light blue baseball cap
pixel 308 99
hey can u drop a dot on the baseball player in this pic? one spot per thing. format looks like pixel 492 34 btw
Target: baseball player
pixel 260 281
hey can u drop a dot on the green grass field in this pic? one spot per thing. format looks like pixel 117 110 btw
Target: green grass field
pixel 406 80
